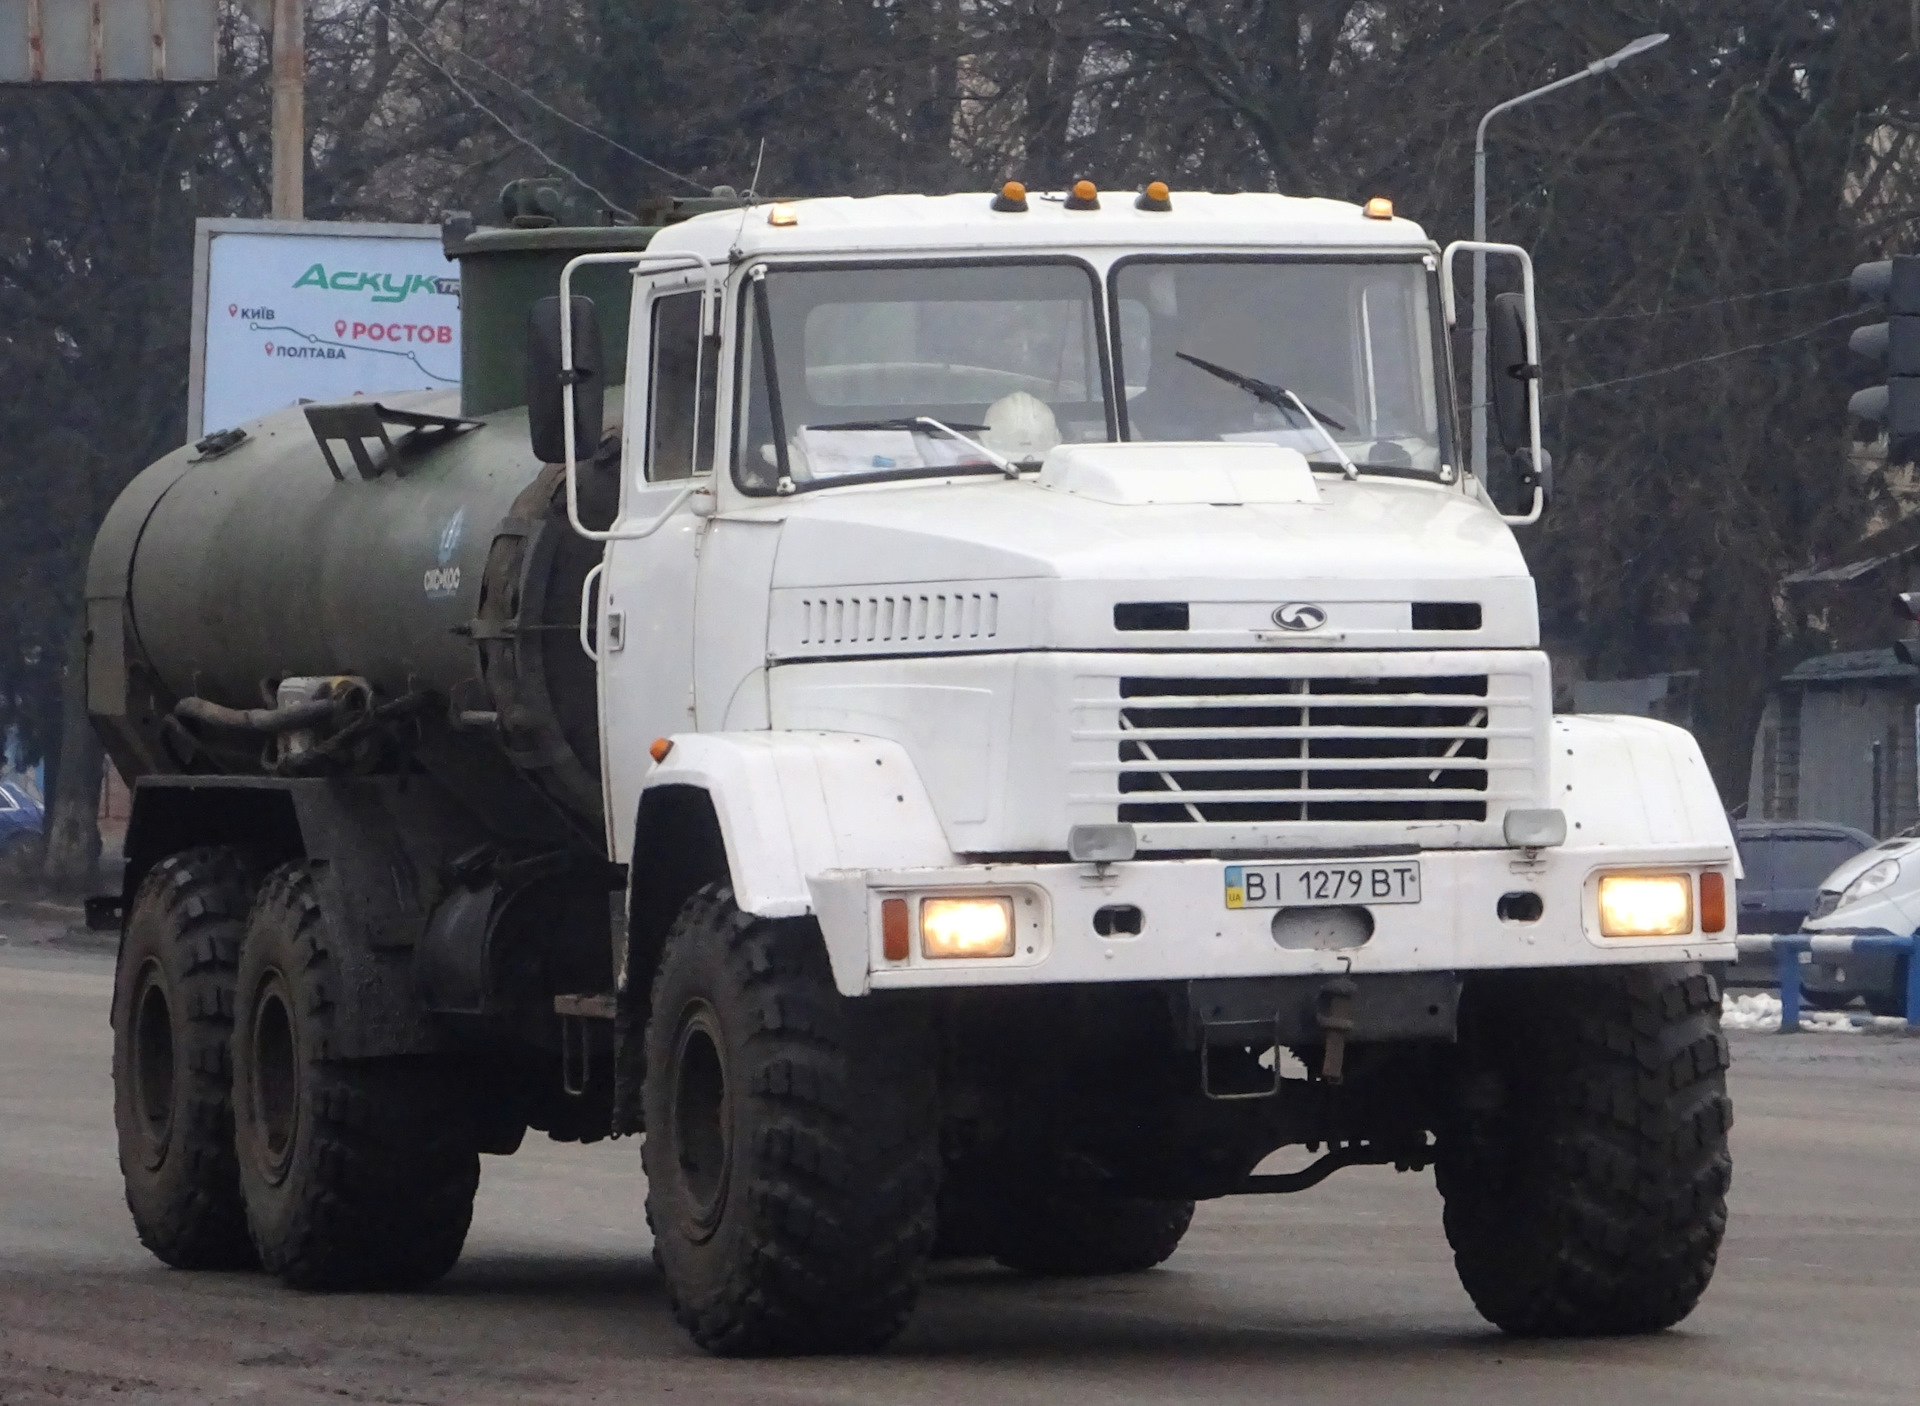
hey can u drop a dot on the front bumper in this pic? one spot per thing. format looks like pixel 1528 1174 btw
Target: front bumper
pixel 1188 933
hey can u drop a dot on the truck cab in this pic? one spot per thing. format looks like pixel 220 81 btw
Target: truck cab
pixel 967 544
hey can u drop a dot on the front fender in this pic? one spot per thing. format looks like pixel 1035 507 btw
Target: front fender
pixel 1633 784
pixel 792 805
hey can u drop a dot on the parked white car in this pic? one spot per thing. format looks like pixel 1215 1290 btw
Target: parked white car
pixel 1875 893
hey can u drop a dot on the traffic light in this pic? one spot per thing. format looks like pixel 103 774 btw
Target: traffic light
pixel 1888 355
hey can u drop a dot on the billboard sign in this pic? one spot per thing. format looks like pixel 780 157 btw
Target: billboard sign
pixel 109 41
pixel 310 310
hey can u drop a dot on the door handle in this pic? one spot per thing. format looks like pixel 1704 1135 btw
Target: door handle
pixel 586 612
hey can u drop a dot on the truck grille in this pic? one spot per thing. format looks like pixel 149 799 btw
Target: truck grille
pixel 1224 750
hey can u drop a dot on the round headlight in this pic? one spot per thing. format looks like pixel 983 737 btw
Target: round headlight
pixel 1880 876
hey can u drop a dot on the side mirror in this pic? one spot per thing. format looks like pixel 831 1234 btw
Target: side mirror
pixel 546 405
pixel 1510 370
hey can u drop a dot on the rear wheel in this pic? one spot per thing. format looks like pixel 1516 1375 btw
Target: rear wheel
pixel 357 1173
pixel 791 1153
pixel 1075 1232
pixel 1585 1165
pixel 172 1091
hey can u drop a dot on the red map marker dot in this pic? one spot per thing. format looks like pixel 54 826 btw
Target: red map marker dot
pixel 269 348
pixel 233 309
pixel 339 329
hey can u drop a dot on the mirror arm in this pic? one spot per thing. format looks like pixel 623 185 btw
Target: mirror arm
pixel 570 376
pixel 1529 518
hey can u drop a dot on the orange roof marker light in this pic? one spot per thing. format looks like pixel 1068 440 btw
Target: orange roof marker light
pixel 1154 197
pixel 783 215
pixel 1379 208
pixel 661 746
pixel 1011 199
pixel 1085 195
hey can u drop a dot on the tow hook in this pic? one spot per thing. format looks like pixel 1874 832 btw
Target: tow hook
pixel 1333 1009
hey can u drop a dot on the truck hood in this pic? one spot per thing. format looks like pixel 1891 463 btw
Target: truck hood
pixel 1058 554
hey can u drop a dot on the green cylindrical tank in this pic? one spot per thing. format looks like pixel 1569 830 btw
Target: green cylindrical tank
pixel 448 577
pixel 502 271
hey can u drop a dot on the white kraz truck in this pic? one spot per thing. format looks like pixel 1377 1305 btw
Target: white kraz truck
pixel 1018 715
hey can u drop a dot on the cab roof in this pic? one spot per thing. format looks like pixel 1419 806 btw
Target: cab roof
pixel 968 221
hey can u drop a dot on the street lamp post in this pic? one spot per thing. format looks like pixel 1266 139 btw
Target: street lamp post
pixel 1592 70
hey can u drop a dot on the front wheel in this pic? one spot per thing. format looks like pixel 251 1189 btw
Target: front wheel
pixel 1585 1164
pixel 791 1151
pixel 1893 1000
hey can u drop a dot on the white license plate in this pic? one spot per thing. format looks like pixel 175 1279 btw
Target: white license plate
pixel 1318 883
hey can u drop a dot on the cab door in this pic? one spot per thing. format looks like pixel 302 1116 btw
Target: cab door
pixel 645 614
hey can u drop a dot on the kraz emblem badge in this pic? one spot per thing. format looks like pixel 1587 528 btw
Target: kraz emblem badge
pixel 1298 616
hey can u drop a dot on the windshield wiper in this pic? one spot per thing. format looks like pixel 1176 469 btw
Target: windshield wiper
pixel 926 424
pixel 1280 398
pixel 903 423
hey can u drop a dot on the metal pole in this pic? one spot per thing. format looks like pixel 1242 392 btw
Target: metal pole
pixel 1598 66
pixel 289 110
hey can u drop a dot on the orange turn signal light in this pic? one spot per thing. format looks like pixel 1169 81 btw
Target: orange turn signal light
pixel 1379 208
pixel 1713 902
pixel 661 746
pixel 896 936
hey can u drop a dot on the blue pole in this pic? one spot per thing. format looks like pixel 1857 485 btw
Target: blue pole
pixel 1913 983
pixel 1786 965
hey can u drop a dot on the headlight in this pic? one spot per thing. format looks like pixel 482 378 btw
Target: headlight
pixel 966 927
pixel 1880 876
pixel 1646 905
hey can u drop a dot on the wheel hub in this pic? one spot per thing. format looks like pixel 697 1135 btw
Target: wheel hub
pixel 153 1061
pixel 274 1088
pixel 702 1132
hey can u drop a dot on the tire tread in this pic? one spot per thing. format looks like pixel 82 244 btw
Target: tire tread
pixel 203 896
pixel 1616 1225
pixel 844 1163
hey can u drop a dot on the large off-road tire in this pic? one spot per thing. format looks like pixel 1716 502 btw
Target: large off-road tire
pixel 172 1088
pixel 791 1151
pixel 1585 1166
pixel 357 1174
pixel 1067 1232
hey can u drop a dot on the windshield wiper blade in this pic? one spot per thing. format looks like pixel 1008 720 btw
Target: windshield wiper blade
pixel 903 423
pixel 1279 397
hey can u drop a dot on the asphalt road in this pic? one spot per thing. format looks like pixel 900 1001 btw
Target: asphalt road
pixel 1345 1293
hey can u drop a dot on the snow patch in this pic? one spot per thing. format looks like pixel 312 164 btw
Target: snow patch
pixel 1760 1012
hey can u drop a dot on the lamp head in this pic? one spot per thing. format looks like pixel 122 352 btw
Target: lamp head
pixel 1625 52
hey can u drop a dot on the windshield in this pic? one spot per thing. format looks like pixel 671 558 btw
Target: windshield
pixel 1004 357
pixel 1335 359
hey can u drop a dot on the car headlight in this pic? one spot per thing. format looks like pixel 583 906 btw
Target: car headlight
pixel 966 927
pixel 1880 876
pixel 1646 905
